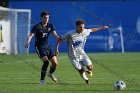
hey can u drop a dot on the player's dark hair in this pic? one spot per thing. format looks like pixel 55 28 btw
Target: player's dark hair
pixel 44 13
pixel 79 22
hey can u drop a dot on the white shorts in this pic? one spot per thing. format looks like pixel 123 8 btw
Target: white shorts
pixel 79 62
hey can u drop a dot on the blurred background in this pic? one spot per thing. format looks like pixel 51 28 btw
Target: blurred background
pixel 17 17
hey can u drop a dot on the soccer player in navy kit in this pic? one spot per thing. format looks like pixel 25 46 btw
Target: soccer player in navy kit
pixel 42 31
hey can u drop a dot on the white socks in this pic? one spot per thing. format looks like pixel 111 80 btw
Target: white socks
pixel 84 76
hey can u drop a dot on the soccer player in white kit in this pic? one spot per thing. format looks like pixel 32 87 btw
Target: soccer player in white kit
pixel 76 40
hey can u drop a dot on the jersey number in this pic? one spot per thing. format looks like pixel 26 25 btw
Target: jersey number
pixel 77 43
pixel 44 35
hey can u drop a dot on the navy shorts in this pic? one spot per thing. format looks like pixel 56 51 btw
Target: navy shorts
pixel 44 52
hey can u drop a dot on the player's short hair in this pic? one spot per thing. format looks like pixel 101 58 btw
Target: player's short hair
pixel 79 22
pixel 44 13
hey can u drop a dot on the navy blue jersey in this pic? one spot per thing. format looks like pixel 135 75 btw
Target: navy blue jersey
pixel 42 33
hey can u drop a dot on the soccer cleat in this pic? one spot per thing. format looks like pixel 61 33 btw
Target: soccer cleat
pixel 42 82
pixel 89 73
pixel 87 81
pixel 52 77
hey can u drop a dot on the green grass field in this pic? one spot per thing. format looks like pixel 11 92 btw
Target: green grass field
pixel 21 73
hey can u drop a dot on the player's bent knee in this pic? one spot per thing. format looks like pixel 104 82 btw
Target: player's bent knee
pixel 54 61
pixel 54 64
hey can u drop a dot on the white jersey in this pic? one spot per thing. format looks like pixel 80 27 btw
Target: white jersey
pixel 76 42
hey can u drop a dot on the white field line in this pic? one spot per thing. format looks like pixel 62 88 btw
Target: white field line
pixel 32 60
pixel 21 78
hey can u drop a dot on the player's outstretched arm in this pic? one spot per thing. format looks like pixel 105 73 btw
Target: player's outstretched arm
pixel 100 28
pixel 29 39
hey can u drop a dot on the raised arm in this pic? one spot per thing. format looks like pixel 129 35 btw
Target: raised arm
pixel 29 39
pixel 100 28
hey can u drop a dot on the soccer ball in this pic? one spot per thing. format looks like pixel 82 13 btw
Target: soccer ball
pixel 120 85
